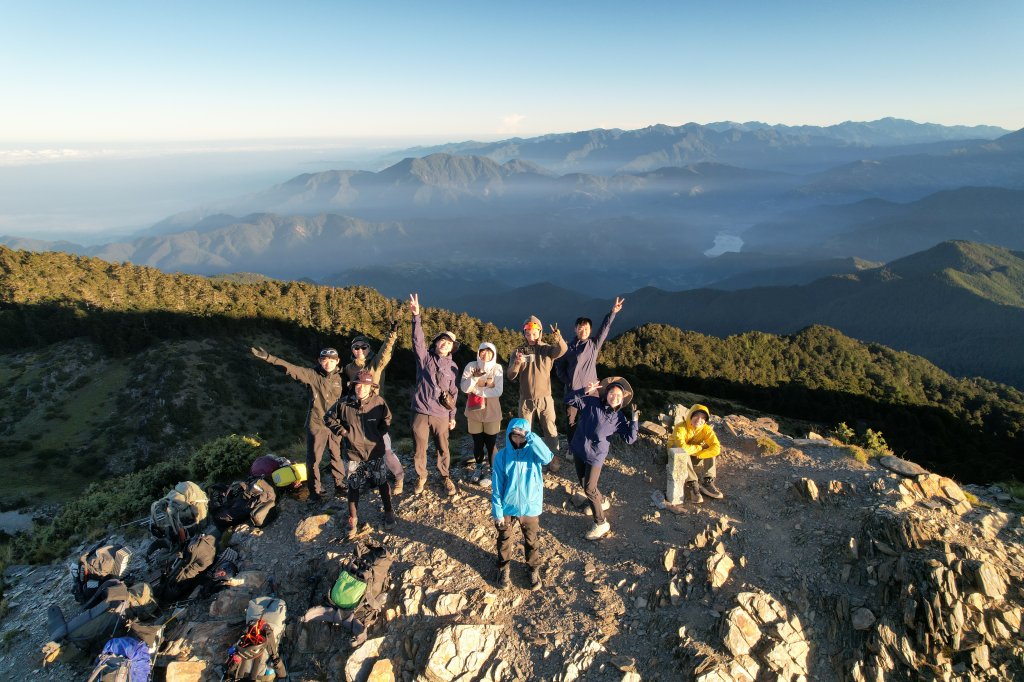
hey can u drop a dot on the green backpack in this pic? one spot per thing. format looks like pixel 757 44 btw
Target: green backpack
pixel 347 591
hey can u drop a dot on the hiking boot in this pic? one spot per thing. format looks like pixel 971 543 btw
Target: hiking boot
pixel 599 531
pixel 502 580
pixel 396 489
pixel 535 581
pixel 389 521
pixel 480 474
pixel 485 482
pixel 315 499
pixel 691 493
pixel 605 506
pixel 707 486
pixel 421 483
pixel 449 487
pixel 340 493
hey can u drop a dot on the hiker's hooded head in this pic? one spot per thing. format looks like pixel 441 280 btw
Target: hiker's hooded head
pixel 518 433
pixel 487 355
pixel 362 351
pixel 698 415
pixel 532 330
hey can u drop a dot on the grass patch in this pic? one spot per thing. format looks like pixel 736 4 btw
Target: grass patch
pixel 767 447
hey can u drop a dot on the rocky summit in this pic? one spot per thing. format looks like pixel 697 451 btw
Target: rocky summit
pixel 815 566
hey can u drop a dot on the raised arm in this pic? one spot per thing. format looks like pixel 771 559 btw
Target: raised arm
pixel 303 374
pixel 383 356
pixel 606 325
pixel 419 344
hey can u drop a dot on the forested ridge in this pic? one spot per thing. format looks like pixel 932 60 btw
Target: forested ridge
pixel 970 428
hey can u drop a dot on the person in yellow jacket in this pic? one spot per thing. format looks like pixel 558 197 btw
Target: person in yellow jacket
pixel 697 438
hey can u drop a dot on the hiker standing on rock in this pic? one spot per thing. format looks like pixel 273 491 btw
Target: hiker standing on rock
pixel 363 358
pixel 600 417
pixel 578 367
pixel 433 399
pixel 531 366
pixel 698 439
pixel 517 496
pixel 363 419
pixel 325 384
pixel 483 382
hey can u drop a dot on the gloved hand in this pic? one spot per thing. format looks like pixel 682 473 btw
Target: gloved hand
pixel 394 325
pixel 259 352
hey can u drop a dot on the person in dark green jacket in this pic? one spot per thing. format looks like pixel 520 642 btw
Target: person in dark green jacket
pixel 325 387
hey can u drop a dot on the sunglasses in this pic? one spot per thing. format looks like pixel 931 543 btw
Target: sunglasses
pixel 360 347
pixel 328 353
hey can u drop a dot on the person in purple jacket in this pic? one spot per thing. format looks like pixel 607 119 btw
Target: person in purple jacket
pixel 600 417
pixel 578 367
pixel 433 399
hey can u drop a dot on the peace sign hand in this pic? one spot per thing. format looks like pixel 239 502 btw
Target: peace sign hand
pixel 555 331
pixel 618 304
pixel 414 303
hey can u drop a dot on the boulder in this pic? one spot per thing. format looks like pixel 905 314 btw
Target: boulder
pixel 460 651
pixel 675 474
pixel 185 671
pixel 362 661
pixel 862 619
pixel 311 528
pixel 653 429
pixel 901 466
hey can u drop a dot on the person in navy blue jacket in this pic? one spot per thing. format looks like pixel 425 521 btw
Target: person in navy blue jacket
pixel 517 495
pixel 578 367
pixel 600 417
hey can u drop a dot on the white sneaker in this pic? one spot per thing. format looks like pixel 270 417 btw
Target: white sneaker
pixel 599 531
pixel 485 482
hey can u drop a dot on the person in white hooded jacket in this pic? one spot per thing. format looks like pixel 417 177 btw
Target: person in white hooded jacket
pixel 483 382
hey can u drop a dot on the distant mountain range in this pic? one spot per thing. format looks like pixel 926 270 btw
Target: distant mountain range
pixel 794 149
pixel 959 304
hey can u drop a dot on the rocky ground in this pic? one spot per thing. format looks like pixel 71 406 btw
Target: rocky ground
pixel 815 566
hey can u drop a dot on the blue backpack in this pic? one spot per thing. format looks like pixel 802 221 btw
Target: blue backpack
pixel 124 659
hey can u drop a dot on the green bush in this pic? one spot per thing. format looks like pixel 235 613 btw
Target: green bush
pixel 224 459
pixel 843 433
pixel 767 446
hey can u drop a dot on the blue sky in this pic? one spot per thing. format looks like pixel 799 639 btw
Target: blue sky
pixel 76 73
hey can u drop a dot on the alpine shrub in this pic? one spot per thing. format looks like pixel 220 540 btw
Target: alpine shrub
pixel 223 459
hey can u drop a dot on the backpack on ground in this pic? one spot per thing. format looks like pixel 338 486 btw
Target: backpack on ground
pixel 252 502
pixel 291 476
pixel 259 643
pixel 363 581
pixel 179 514
pixel 193 562
pixel 123 659
pixel 101 563
pixel 107 615
pixel 263 467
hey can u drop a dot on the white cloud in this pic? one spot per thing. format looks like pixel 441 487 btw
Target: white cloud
pixel 511 123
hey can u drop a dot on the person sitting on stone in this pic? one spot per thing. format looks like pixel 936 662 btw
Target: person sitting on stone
pixel 696 437
pixel 517 496
pixel 599 407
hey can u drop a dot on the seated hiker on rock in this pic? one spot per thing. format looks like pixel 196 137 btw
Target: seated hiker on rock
pixel 363 419
pixel 364 357
pixel 324 382
pixel 599 418
pixel 483 382
pixel 433 399
pixel 517 496
pixel 695 436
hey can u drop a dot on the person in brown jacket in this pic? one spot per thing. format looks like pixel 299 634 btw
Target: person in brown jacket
pixel 531 367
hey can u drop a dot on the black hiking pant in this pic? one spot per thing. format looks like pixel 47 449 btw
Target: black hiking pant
pixel 531 532
pixel 316 441
pixel 484 445
pixel 589 475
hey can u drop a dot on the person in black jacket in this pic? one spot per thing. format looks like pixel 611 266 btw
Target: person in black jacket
pixel 325 388
pixel 363 419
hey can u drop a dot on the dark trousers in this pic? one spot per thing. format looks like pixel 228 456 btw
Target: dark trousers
pixel 572 414
pixel 353 500
pixel 316 441
pixel 531 531
pixel 425 426
pixel 483 447
pixel 588 475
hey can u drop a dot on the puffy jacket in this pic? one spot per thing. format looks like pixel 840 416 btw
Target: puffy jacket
pixel 374 362
pixel 517 482
pixel 434 374
pixel 595 426
pixel 534 377
pixel 578 367
pixel 702 443
pixel 493 374
pixel 324 389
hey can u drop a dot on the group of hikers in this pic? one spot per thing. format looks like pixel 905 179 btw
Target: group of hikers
pixel 350 420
